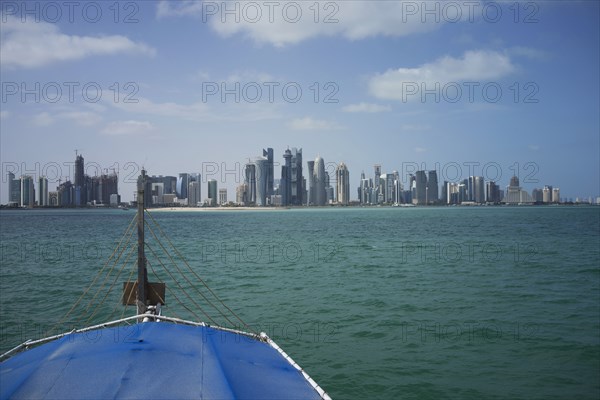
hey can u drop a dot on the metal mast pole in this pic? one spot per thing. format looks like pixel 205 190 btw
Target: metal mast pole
pixel 141 261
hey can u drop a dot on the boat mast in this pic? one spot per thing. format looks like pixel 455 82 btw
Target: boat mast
pixel 141 261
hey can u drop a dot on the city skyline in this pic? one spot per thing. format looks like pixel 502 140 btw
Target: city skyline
pixel 359 82
pixel 260 188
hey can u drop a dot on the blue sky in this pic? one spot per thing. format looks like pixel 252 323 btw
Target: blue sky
pixel 382 82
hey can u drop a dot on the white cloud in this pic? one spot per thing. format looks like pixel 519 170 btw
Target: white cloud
pixel 366 107
pixel 203 111
pixel 528 52
pixel 284 23
pixel 36 44
pixel 178 8
pixel 473 66
pixel 200 76
pixel 130 127
pixel 311 124
pixel 43 119
pixel 83 118
pixel 244 77
pixel 420 149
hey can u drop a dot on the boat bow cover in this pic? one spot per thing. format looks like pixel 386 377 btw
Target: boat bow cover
pixel 153 361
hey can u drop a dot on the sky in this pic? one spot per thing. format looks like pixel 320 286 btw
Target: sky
pixel 466 88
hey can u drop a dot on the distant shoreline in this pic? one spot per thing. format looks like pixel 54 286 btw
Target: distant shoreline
pixel 213 209
pixel 334 207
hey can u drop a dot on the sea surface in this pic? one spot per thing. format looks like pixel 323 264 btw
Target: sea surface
pixel 377 303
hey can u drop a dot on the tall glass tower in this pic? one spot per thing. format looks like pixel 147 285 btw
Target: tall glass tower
pixel 262 183
pixel 80 190
pixel 212 192
pixel 286 179
pixel 420 186
pixel 320 182
pixel 27 191
pixel 14 189
pixel 182 185
pixel 311 183
pixel 343 184
pixel 43 191
pixel 250 181
pixel 297 178
pixel 376 182
pixel 268 154
pixel 432 187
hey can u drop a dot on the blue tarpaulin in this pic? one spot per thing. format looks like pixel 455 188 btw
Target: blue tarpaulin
pixel 153 360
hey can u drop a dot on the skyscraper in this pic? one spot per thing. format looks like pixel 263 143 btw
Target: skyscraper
pixel 43 191
pixel 107 186
pixel 297 178
pixel 182 185
pixel 397 187
pixel 286 179
pixel 79 170
pixel 537 195
pixel 65 194
pixel 479 196
pixel 452 192
pixel 262 176
pixel 80 189
pixel 420 188
pixel 194 193
pixel 363 191
pixel 556 195
pixel 462 194
pixel 320 182
pixel 376 183
pixel 329 190
pixel 470 184
pixel 444 194
pixel 27 192
pixel 222 197
pixel 515 195
pixel 342 184
pixel 311 183
pixel 160 187
pixel 389 188
pixel 14 190
pixel 492 192
pixel 250 181
pixel 212 192
pixel 270 176
pixel 547 194
pixel 241 194
pixel 432 190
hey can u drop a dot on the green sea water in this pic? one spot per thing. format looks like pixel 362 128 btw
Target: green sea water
pixel 378 303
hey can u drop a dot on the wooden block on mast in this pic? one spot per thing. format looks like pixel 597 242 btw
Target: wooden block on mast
pixel 155 293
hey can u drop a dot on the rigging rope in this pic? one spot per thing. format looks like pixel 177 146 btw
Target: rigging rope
pixel 63 319
pixel 128 299
pixel 174 295
pixel 125 247
pixel 183 290
pixel 196 275
pixel 110 288
pixel 101 287
pixel 186 278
